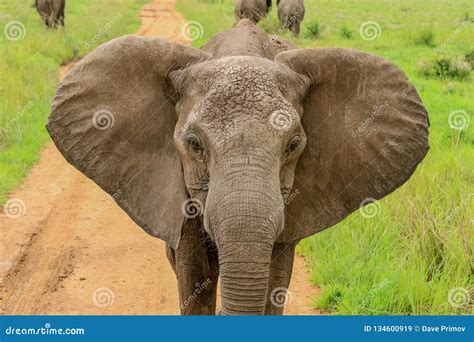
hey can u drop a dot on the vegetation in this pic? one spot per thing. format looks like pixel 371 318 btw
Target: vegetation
pixel 456 68
pixel 425 37
pixel 29 70
pixel 346 33
pixel 415 256
pixel 313 29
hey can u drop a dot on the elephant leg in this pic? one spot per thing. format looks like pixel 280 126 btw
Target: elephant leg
pixel 296 28
pixel 196 267
pixel 45 19
pixel 280 275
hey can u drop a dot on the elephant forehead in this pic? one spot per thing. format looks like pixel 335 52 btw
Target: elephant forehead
pixel 244 111
pixel 235 79
pixel 241 91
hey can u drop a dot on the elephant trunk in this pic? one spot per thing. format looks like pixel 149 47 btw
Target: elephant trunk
pixel 244 219
pixel 245 271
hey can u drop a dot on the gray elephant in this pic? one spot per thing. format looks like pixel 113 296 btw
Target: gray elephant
pixel 234 152
pixel 291 14
pixel 254 10
pixel 51 11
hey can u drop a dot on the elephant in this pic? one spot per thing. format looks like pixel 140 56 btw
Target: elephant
pixel 51 11
pixel 234 152
pixel 291 14
pixel 254 10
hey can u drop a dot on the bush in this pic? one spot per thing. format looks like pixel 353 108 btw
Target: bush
pixel 425 37
pixel 460 69
pixel 313 29
pixel 346 33
pixel 443 68
pixel 469 57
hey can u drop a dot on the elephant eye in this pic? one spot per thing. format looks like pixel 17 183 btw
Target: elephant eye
pixel 293 145
pixel 193 143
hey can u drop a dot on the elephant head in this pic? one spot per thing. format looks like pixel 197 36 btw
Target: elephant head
pixel 269 148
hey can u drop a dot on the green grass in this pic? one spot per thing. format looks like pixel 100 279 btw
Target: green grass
pixel 29 71
pixel 419 246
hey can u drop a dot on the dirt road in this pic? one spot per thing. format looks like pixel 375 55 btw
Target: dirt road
pixel 67 248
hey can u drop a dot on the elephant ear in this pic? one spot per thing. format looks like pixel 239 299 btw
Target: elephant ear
pixel 367 130
pixel 113 118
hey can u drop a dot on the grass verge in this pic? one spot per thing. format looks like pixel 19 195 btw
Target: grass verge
pixel 29 70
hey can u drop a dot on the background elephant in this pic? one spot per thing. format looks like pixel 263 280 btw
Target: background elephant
pixel 254 10
pixel 291 14
pixel 234 152
pixel 51 11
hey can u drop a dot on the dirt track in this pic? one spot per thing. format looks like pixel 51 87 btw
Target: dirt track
pixel 73 251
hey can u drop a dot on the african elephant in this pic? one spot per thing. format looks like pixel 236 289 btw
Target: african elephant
pixel 254 10
pixel 291 14
pixel 234 152
pixel 51 11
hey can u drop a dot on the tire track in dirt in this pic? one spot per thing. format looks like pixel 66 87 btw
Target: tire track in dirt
pixel 74 251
